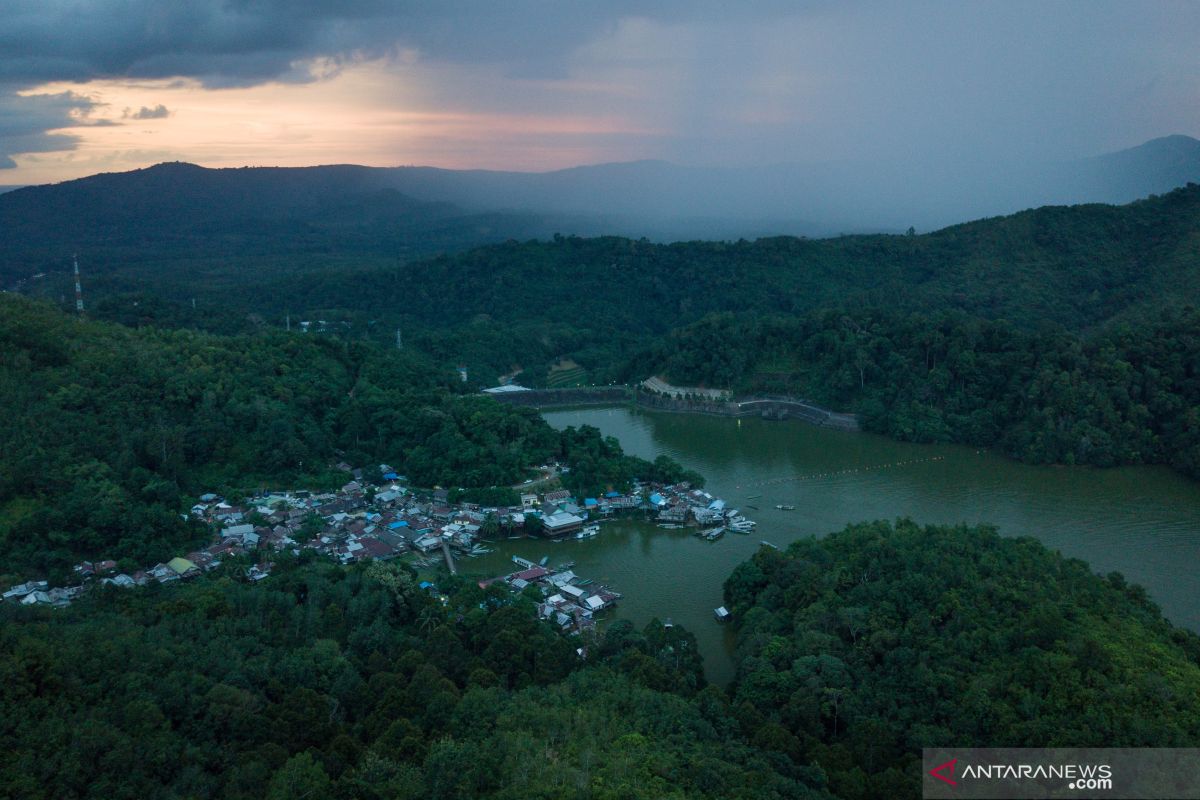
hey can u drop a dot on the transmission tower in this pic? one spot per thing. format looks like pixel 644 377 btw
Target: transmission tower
pixel 78 286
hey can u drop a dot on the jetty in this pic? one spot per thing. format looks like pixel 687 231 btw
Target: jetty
pixel 449 557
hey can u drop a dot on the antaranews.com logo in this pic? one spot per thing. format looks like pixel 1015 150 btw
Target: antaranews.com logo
pixel 1021 773
pixel 1073 776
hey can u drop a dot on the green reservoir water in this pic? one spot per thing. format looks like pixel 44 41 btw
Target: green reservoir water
pixel 1141 521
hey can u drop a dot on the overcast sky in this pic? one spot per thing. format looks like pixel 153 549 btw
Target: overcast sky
pixel 101 85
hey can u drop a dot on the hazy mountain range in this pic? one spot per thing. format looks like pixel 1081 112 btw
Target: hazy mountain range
pixel 808 199
pixel 417 210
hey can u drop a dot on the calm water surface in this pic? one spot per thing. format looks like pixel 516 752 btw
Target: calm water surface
pixel 1142 521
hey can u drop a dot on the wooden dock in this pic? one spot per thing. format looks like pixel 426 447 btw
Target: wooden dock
pixel 449 557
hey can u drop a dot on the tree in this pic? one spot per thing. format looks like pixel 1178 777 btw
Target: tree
pixel 301 778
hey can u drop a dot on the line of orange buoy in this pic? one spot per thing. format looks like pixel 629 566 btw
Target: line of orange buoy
pixel 835 473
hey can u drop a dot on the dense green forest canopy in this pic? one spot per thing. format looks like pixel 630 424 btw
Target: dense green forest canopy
pixel 1128 394
pixel 1078 266
pixel 1019 332
pixel 325 683
pixel 354 682
pixel 108 429
pixel 588 298
pixel 858 649
pixel 1055 335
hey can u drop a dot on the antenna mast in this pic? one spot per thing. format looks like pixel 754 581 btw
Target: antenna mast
pixel 78 286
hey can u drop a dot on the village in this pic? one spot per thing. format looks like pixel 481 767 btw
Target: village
pixel 379 518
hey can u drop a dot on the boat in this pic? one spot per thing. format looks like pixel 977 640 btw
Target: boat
pixel 754 507
pixel 783 507
pixel 588 532
pixel 721 614
pixel 753 496
pixel 545 560
pixel 765 543
pixel 669 526
pixel 714 534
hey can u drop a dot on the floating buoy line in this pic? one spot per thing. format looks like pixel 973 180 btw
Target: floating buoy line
pixel 835 473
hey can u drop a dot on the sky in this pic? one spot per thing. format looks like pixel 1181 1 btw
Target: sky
pixel 91 86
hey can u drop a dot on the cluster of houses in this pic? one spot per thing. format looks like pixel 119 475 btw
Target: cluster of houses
pixel 382 519
pixel 568 601
pixel 681 505
pixel 39 592
pixel 357 522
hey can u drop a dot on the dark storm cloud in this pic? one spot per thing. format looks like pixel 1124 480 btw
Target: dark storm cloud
pixel 25 123
pixel 228 43
pixel 898 88
pixel 236 43
pixel 243 42
pixel 231 42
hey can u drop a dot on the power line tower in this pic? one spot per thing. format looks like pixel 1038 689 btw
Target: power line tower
pixel 78 286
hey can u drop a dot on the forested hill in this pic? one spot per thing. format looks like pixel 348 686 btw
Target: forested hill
pixel 175 217
pixel 519 303
pixel 326 682
pixel 1126 394
pixel 1065 293
pixel 1078 266
pixel 107 430
pixel 861 648
pixel 254 247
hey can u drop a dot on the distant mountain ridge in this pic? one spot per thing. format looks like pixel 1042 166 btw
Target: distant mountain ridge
pixel 657 199
pixel 1150 168
pixel 296 217
pixel 667 201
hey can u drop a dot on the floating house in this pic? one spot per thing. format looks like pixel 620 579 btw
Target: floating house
pixel 561 524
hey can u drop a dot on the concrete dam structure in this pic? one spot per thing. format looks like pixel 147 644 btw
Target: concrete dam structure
pixel 777 408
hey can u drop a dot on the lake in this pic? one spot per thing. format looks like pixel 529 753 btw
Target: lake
pixel 1141 521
